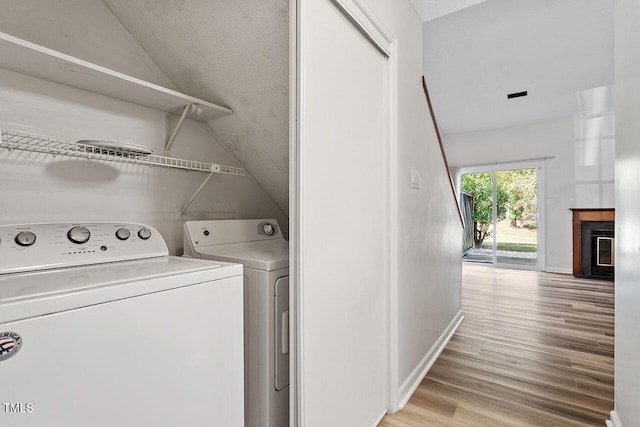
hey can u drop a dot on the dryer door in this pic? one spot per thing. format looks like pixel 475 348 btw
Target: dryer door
pixel 281 345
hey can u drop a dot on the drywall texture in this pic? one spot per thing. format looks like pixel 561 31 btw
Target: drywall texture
pixel 46 188
pixel 569 181
pixel 627 341
pixel 85 29
pixel 429 230
pixel 232 53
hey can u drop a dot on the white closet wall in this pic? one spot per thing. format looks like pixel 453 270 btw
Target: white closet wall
pixel 41 187
pixel 627 342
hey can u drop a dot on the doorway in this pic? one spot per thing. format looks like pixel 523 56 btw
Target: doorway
pixel 504 221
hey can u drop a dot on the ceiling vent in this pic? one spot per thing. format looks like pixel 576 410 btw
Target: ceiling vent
pixel 516 94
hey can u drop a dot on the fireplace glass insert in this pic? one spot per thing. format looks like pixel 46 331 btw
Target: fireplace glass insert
pixel 598 253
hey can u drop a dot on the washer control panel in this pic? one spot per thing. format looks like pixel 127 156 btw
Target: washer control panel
pixel 30 247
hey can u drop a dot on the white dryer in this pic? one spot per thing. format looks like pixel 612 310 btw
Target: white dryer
pixel 99 326
pixel 259 246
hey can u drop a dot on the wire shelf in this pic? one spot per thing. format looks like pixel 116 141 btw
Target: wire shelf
pixel 41 144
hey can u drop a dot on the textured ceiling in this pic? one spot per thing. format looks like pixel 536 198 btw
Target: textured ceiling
pixel 81 28
pixel 432 9
pixel 235 53
pixel 553 49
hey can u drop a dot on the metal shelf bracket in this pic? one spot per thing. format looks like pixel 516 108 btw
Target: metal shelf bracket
pixel 170 140
pixel 206 180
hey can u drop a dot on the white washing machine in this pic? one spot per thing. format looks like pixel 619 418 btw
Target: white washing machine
pixel 99 326
pixel 260 247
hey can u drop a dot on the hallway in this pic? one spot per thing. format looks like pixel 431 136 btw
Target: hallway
pixel 534 349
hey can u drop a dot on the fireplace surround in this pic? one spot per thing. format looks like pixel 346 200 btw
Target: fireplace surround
pixel 593 243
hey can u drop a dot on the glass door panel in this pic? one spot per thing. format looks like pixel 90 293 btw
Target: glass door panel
pixel 478 187
pixel 517 222
pixel 500 206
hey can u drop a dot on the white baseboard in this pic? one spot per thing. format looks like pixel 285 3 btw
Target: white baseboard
pixel 614 421
pixel 379 419
pixel 417 375
pixel 558 270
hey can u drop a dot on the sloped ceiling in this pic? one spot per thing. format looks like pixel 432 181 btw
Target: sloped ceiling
pixel 81 28
pixel 236 54
pixel 432 9
pixel 557 51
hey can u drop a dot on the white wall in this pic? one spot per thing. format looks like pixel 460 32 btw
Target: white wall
pixel 230 52
pixel 566 175
pixel 429 230
pixel 426 303
pixel 627 340
pixel 45 188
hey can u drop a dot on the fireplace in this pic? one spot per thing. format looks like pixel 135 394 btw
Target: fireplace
pixel 597 254
pixel 594 243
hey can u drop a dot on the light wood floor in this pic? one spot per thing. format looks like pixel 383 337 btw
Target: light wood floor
pixel 535 349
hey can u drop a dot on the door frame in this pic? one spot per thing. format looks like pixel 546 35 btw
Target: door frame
pixel 540 215
pixel 387 43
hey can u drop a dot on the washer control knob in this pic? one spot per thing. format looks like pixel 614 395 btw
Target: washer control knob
pixel 25 238
pixel 123 233
pixel 79 234
pixel 268 229
pixel 144 233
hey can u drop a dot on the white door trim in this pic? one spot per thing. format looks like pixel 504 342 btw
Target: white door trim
pixel 387 43
pixel 295 364
pixel 393 386
pixel 367 23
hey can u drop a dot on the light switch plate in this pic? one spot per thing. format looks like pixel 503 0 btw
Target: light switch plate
pixel 415 178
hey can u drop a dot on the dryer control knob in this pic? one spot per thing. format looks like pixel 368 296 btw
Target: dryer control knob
pixel 144 233
pixel 25 238
pixel 269 229
pixel 79 234
pixel 123 233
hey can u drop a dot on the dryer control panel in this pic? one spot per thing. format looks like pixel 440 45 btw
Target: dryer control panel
pixel 30 247
pixel 224 232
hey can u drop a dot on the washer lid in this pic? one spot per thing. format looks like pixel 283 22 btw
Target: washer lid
pixel 267 255
pixel 24 295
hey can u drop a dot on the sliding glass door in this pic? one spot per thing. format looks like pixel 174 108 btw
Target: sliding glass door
pixel 502 224
pixel 479 186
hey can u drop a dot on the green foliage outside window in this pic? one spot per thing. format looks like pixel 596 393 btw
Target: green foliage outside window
pixel 516 198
